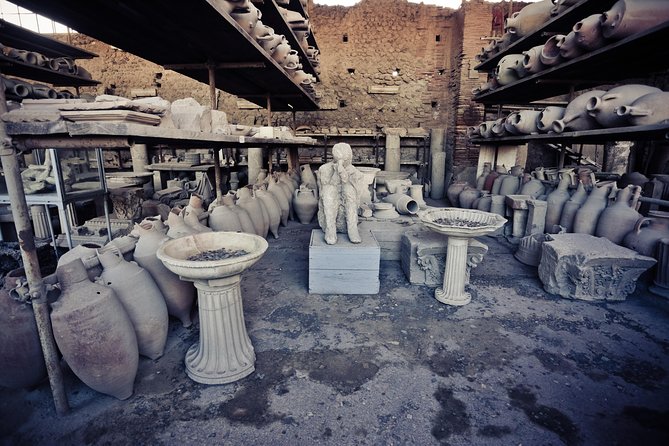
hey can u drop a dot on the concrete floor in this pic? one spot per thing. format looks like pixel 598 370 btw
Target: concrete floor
pixel 516 366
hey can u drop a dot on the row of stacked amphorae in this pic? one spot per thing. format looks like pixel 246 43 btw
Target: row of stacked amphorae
pixel 114 301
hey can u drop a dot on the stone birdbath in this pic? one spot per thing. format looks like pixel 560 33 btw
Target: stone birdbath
pixel 459 225
pixel 224 353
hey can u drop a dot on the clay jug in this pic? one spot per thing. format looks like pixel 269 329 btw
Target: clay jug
pixel 510 185
pixel 628 17
pixel 193 221
pixel 589 33
pixel 177 225
pixel 256 211
pixel 247 19
pixel 20 349
pixel 142 300
pixel 179 295
pixel 244 218
pixel 453 192
pixel 647 233
pixel 305 204
pixel 532 186
pixel 281 52
pixel 490 180
pixel 497 184
pixel 569 48
pixel 467 197
pixel 87 253
pixel 523 122
pixel 195 206
pixel 307 176
pixel 223 218
pixel 647 110
pixel 269 43
pixel 484 202
pixel 532 60
pixel 498 127
pixel 587 216
pixel 529 19
pixel 94 333
pixel 505 71
pixel 480 181
pixel 571 207
pixel 576 116
pixel 547 116
pixel 550 53
pixel 604 108
pixel 485 129
pixel 273 210
pixel 619 218
pixel 555 203
pixel 280 197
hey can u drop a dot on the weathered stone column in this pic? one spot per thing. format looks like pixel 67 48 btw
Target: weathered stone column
pixel 140 157
pixel 393 156
pixel 661 282
pixel 438 161
pixel 616 155
pixel 40 215
pixel 536 217
pixel 255 162
pixel 455 274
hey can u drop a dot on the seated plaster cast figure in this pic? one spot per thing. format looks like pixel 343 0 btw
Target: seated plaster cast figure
pixel 339 187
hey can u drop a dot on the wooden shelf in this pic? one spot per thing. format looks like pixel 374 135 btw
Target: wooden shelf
pixel 21 38
pixel 559 24
pixel 636 133
pixel 635 56
pixel 184 37
pixel 14 67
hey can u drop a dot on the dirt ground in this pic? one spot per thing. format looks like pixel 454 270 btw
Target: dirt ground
pixel 515 366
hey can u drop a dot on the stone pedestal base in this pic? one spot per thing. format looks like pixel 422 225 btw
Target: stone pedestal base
pixel 455 272
pixel 536 217
pixel 224 353
pixel 581 266
pixel 517 204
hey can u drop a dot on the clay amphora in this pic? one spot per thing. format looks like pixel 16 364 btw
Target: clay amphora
pixel 485 129
pixel 454 190
pixel 532 60
pixel 480 181
pixel 261 31
pixel 281 52
pixel 280 197
pixel 88 255
pixel 589 33
pixel 244 218
pixel 247 19
pixel 510 185
pixel 538 173
pixel 576 116
pixel 230 5
pixel 619 218
pixel 195 206
pixel 490 180
pixel 523 122
pixel 562 5
pixel 403 203
pixel 273 210
pixel 532 186
pixel 271 42
pixel 505 71
pixel 634 178
pixel 529 19
pixel 142 300
pixel 468 196
pixel 587 216
pixel 604 108
pixel 94 333
pixel 177 226
pixel 647 110
pixel 222 218
pixel 628 17
pixel 305 204
pixel 256 211
pixel 555 202
pixel 647 233
pixel 307 176
pixel 571 207
pixel 547 116
pixel 20 350
pixel 179 295
pixel 497 184
pixel 510 129
pixel 484 202
pixel 193 221
pixel 416 193
pixel 550 53
pixel 498 127
pixel 569 48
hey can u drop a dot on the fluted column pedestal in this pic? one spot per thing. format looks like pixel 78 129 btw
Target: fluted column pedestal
pixel 224 353
pixel 661 282
pixel 455 273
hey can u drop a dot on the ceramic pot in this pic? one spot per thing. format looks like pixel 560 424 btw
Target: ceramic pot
pixel 647 233
pixel 270 43
pixel 403 203
pixel 647 110
pixel 244 218
pixel 532 186
pixel 142 300
pixel 385 211
pixel 550 53
pixel 604 108
pixel 589 33
pixel 587 216
pixel 490 180
pixel 261 31
pixel 484 202
pixel 305 204
pixel 88 255
pixel 307 176
pixel 280 197
pixel 510 185
pixel 554 204
pixel 529 19
pixel 576 116
pixel 468 196
pixel 505 72
pixel 619 218
pixel 499 128
pixel 416 193
pixel 177 226
pixel 222 218
pixel 247 19
pixel 510 129
pixel 562 5
pixel 94 333
pixel 538 173
pixel 532 60
pixel 547 116
pixel 480 181
pixel 571 207
pixel 20 350
pixel 16 90
pixel 454 190
pixel 629 17
pixel 179 295
pixel 497 205
pixel 485 129
pixel 569 48
pixel 497 184
pixel 281 52
pixel 193 221
pixel 272 208
pixel 255 209
pixel 523 122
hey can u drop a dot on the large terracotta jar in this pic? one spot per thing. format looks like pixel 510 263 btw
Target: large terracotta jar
pixel 194 222
pixel 550 53
pixel 510 185
pixel 142 300
pixel 555 202
pixel 647 233
pixel 177 226
pixel 587 216
pixel 453 192
pixel 485 129
pixel 532 60
pixel 255 209
pixel 179 295
pixel 576 116
pixel 195 206
pixel 619 218
pixel 280 197
pixel 94 333
pixel 532 186
pixel 629 17
pixel 273 210
pixel 604 108
pixel 589 33
pixel 223 218
pixel 505 72
pixel 529 19
pixel 467 197
pixel 88 255
pixel 305 204
pixel 490 180
pixel 569 48
pixel 307 176
pixel 244 218
pixel 480 181
pixel 649 109
pixel 571 207
pixel 484 202
pixel 523 122
pixel 22 363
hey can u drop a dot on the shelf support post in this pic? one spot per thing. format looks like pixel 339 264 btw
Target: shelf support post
pixel 36 287
pixel 214 106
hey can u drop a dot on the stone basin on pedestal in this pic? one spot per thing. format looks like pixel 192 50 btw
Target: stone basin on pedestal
pixel 459 225
pixel 224 353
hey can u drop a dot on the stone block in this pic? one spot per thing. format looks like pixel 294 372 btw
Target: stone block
pixel 536 217
pixel 582 266
pixel 388 234
pixel 188 114
pixel 345 267
pixel 423 257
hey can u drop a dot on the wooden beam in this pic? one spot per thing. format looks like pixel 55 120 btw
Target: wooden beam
pixel 217 66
